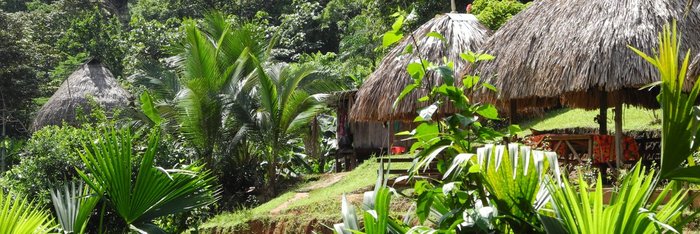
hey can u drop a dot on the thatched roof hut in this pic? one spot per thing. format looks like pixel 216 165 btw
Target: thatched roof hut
pixel 575 51
pixel 375 98
pixel 91 80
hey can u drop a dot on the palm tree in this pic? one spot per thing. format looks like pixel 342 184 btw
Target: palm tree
pixel 211 63
pixel 226 91
pixel 288 98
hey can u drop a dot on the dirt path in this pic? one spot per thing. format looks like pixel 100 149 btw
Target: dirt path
pixel 324 182
pixel 286 204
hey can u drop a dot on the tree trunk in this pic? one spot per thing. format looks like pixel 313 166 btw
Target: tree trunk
pixel 618 134
pixel 271 179
pixel 603 116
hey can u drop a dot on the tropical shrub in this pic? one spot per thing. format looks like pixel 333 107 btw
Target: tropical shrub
pixel 680 135
pixel 631 209
pixel 19 215
pixel 515 178
pixel 47 162
pixel 154 192
pixel 10 150
pixel 494 13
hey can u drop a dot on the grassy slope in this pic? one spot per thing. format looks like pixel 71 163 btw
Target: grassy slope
pixel 323 203
pixel 632 119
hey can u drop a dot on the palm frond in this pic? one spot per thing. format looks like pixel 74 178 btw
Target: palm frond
pixel 155 192
pixel 631 209
pixel 19 215
pixel 74 205
pixel 680 135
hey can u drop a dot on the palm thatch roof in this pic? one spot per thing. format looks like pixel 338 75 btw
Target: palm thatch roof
pixel 375 98
pixel 570 51
pixel 91 81
pixel 693 72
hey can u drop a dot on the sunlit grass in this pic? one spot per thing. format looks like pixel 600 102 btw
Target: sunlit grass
pixel 323 203
pixel 632 119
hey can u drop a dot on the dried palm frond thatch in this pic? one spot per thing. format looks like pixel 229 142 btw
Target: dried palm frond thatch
pixel 693 72
pixel 91 80
pixel 375 98
pixel 572 50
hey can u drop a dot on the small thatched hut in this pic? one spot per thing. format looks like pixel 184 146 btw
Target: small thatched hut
pixel 375 98
pixel 575 51
pixel 91 80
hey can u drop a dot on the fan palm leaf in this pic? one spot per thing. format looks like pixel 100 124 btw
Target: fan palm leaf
pixel 19 215
pixel 155 192
pixel 631 209
pixel 74 205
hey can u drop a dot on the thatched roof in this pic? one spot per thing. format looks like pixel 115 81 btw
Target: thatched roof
pixel 91 80
pixel 693 71
pixel 375 98
pixel 571 50
pixel 336 98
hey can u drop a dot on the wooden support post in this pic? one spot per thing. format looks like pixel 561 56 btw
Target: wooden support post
pixel 603 117
pixel 618 133
pixel 513 111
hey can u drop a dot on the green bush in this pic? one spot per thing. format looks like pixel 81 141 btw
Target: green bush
pixel 48 160
pixel 494 13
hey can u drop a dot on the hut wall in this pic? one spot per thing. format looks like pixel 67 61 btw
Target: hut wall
pixel 375 135
pixel 369 135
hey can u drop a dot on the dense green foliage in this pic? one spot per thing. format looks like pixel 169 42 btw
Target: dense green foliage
pixel 494 13
pixel 48 161
pixel 16 70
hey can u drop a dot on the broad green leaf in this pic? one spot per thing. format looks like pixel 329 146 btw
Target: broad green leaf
pixel 447 75
pixel 416 71
pixel 423 205
pixel 470 81
pixel 514 129
pixel 490 87
pixel 488 111
pixel 408 49
pixel 398 23
pixel 409 88
pixel 464 120
pixel 390 38
pixel 485 57
pixel 149 109
pixel 469 57
pixel 437 35
pixel 426 132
